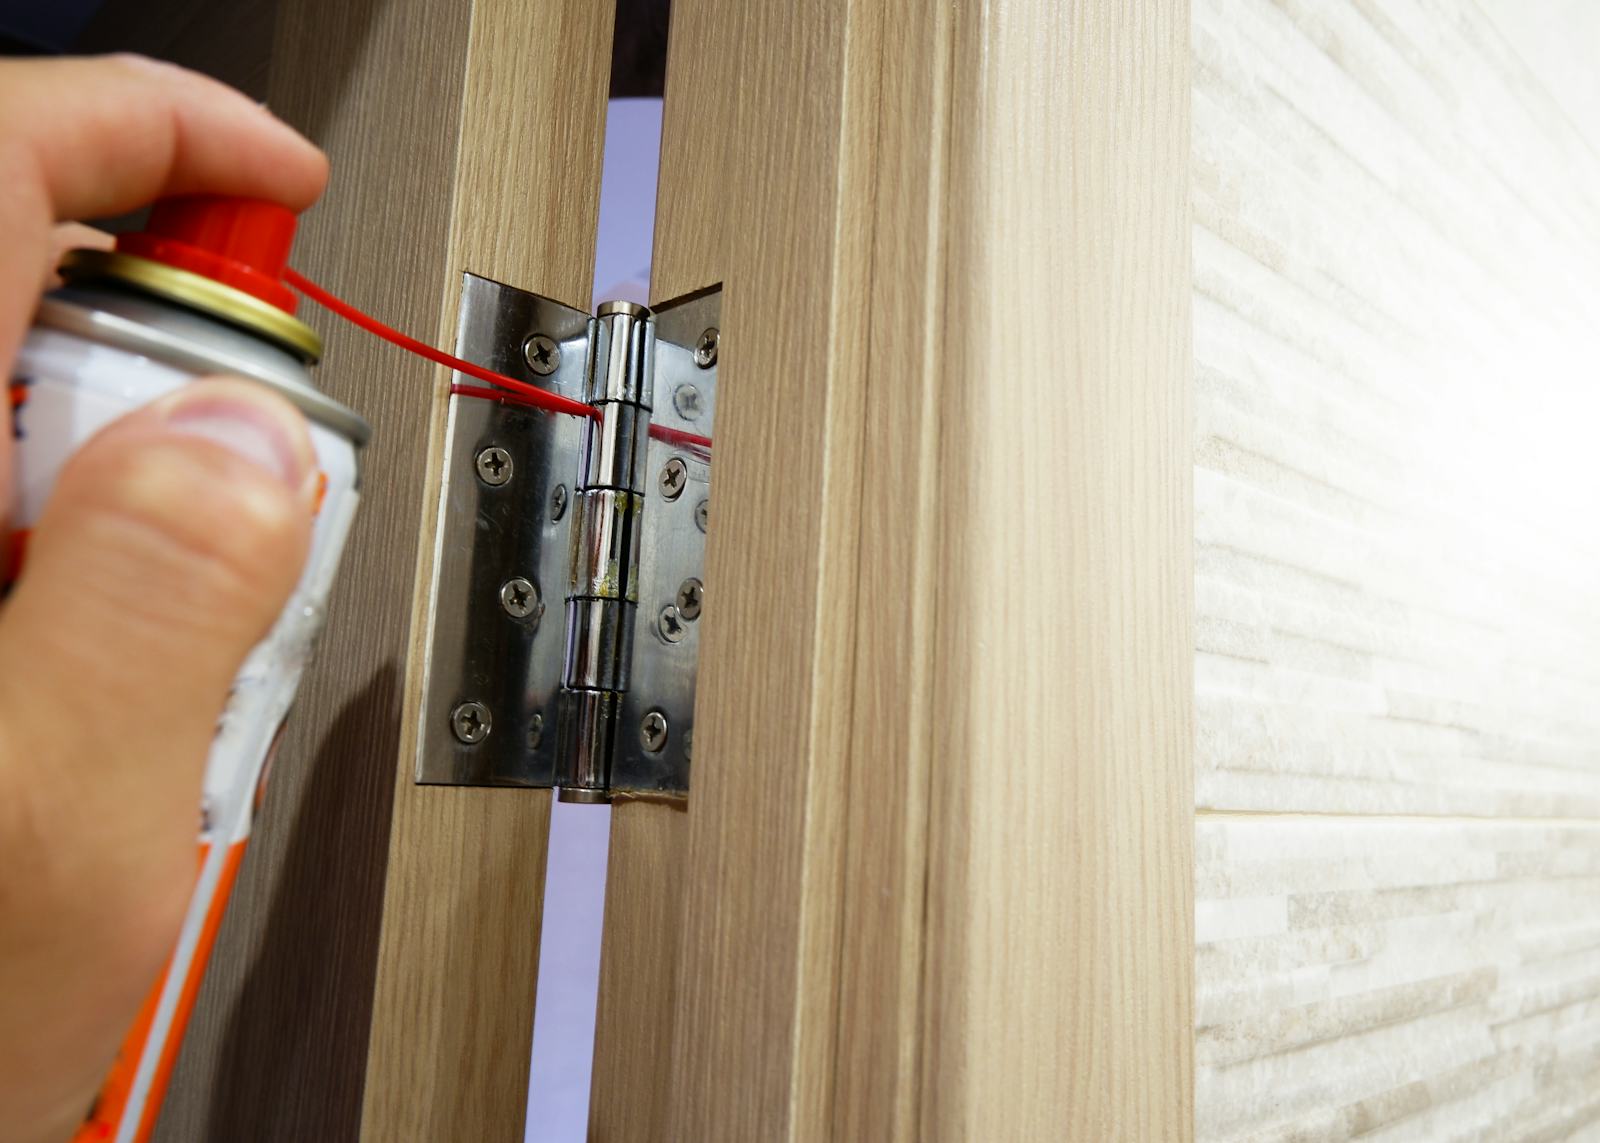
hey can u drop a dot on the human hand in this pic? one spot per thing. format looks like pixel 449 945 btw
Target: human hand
pixel 166 551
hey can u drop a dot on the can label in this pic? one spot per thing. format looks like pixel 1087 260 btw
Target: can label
pixel 63 390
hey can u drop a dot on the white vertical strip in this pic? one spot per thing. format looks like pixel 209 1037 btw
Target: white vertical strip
pixel 580 836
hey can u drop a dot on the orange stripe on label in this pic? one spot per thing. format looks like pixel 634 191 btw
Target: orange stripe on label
pixel 191 989
pixel 111 1103
pixel 113 1094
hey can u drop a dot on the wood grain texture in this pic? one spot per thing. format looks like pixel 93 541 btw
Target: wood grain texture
pixel 631 1085
pixel 879 1047
pixel 937 860
pixel 277 1048
pixel 1057 986
pixel 631 1092
pixel 230 40
pixel 1397 284
pixel 755 186
pixel 458 962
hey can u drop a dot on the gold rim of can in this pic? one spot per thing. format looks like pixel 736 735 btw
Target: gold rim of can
pixel 197 292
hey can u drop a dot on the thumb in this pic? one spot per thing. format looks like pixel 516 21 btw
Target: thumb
pixel 166 551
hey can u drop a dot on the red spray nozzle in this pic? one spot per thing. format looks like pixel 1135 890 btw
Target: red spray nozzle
pixel 240 242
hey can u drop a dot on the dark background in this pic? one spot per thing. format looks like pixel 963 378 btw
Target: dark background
pixel 232 39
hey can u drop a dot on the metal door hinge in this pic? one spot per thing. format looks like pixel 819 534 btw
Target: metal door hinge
pixel 562 624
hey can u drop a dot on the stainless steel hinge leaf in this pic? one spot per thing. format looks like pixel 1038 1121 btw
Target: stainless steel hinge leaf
pixel 562 621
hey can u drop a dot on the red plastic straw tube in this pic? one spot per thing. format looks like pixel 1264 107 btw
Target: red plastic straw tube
pixel 508 389
pixel 530 394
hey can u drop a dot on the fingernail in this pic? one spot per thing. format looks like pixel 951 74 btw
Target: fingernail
pixel 250 422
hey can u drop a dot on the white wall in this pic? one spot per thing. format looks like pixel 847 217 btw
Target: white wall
pixel 1397 341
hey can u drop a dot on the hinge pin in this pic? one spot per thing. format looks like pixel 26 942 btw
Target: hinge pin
pixel 541 353
pixel 471 722
pixel 494 466
pixel 674 475
pixel 705 350
pixel 653 731
pixel 520 598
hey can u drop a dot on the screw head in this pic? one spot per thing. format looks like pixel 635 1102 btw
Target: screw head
pixel 558 502
pixel 686 399
pixel 653 732
pixel 702 514
pixel 535 731
pixel 674 475
pixel 519 597
pixel 691 593
pixel 705 350
pixel 670 624
pixel 471 722
pixel 494 466
pixel 541 353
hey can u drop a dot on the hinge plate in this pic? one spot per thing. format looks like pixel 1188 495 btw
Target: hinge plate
pixel 494 651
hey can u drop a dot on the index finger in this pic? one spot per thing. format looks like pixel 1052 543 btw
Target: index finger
pixel 81 138
pixel 102 136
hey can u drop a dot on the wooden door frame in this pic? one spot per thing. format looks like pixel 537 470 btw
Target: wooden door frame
pixel 452 1022
pixel 462 137
pixel 935 880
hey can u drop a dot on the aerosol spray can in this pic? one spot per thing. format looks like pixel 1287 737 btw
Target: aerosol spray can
pixel 198 292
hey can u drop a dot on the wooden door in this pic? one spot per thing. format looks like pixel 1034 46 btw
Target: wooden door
pixel 934 879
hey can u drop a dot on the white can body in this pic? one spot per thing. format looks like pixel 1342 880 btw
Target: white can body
pixel 67 384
